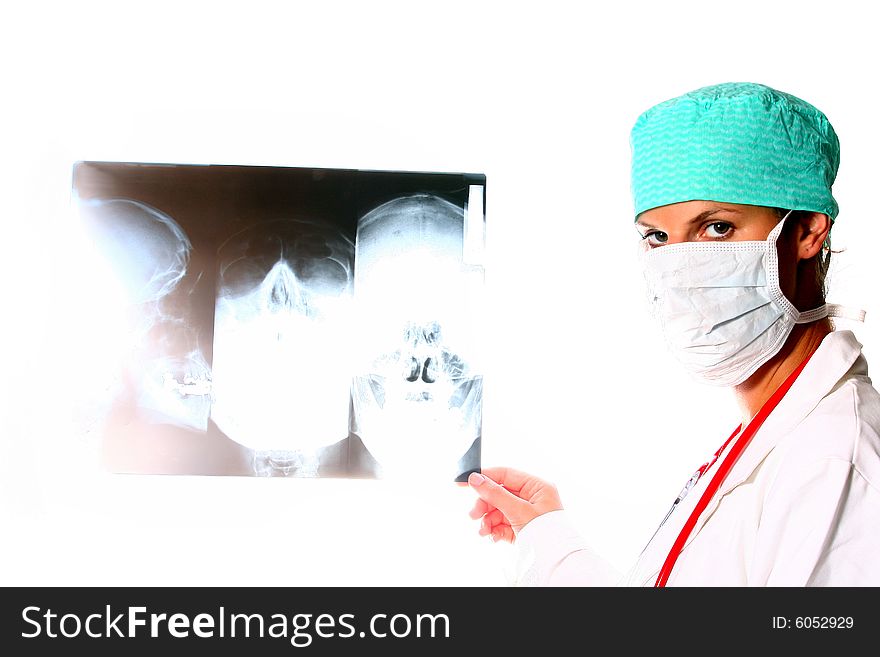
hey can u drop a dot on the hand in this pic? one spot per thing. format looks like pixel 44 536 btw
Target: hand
pixel 508 500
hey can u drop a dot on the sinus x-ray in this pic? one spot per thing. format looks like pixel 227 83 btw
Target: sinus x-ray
pixel 287 321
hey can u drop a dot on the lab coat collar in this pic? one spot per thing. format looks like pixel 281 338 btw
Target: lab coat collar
pixel 838 354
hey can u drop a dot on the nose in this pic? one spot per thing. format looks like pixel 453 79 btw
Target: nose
pixel 413 370
pixel 427 371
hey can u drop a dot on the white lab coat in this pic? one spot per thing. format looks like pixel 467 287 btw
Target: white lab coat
pixel 801 507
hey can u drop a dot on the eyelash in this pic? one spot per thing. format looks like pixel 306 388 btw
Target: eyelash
pixel 653 232
pixel 725 235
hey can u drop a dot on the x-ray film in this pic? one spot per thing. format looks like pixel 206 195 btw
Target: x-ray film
pixel 288 321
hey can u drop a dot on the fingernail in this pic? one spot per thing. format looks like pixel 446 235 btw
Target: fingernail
pixel 476 479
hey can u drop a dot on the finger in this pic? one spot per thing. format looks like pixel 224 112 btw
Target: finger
pixel 487 527
pixel 497 496
pixel 480 509
pixel 513 480
pixel 503 533
pixel 495 517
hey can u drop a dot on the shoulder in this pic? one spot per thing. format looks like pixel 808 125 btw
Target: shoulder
pixel 843 429
pixel 822 508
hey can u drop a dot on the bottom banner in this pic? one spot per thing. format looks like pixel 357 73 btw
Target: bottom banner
pixel 401 620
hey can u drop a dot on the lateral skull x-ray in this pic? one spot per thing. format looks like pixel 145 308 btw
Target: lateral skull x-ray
pixel 148 253
pixel 291 322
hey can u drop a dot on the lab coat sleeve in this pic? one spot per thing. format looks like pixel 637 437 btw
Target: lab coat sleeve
pixel 550 552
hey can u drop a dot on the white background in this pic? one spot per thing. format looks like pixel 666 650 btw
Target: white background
pixel 538 96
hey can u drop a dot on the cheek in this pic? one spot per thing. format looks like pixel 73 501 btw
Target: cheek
pixel 787 269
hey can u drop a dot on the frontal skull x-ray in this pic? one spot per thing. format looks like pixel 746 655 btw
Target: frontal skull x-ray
pixel 281 373
pixel 289 322
pixel 418 390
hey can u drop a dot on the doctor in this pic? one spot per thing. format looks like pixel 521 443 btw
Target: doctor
pixel 732 188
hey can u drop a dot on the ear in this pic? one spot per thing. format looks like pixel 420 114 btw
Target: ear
pixel 813 228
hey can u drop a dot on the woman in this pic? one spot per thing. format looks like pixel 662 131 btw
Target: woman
pixel 732 187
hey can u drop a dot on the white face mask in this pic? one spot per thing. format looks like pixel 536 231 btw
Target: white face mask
pixel 721 307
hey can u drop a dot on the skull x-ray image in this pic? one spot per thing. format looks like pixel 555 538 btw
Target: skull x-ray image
pixel 281 374
pixel 290 322
pixel 148 253
pixel 418 389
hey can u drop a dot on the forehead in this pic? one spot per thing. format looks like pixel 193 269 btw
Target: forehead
pixel 688 212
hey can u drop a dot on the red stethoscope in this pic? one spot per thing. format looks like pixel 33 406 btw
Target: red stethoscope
pixel 735 451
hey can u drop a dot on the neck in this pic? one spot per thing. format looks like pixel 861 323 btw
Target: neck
pixel 752 393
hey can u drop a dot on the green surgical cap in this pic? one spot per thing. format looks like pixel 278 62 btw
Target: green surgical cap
pixel 735 143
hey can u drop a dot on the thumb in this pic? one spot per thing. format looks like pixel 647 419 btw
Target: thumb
pixel 498 496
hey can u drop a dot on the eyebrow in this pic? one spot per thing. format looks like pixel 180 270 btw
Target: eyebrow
pixel 699 218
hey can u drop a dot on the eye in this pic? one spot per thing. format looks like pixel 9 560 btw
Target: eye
pixel 718 230
pixel 655 237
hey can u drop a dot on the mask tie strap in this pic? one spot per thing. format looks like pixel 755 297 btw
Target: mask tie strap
pixel 831 310
pixel 815 314
pixel 845 312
